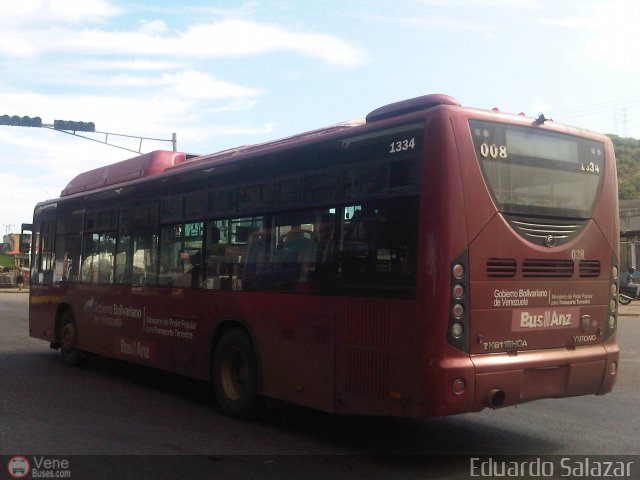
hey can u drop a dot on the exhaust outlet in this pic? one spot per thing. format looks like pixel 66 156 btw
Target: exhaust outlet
pixel 495 398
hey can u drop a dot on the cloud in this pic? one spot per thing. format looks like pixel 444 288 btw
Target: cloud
pixel 225 38
pixel 198 85
pixel 48 12
pixel 610 31
pixel 95 60
pixel 519 4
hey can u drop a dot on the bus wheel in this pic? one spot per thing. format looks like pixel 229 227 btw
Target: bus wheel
pixel 235 375
pixel 624 300
pixel 69 340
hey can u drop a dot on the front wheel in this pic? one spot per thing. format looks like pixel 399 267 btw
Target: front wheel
pixel 68 336
pixel 624 300
pixel 235 375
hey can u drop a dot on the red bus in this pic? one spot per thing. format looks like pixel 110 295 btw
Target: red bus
pixel 431 260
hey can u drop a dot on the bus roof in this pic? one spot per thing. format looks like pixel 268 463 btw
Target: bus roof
pixel 157 162
pixel 141 166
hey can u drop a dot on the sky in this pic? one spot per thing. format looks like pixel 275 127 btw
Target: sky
pixel 224 73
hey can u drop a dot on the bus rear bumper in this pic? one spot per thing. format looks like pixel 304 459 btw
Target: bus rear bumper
pixel 509 379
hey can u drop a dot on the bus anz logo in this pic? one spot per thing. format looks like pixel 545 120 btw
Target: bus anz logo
pixel 133 348
pixel 544 319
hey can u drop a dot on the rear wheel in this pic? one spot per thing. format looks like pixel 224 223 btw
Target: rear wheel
pixel 235 375
pixel 68 336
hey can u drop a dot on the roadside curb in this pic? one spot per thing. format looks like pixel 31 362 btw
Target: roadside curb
pixel 629 311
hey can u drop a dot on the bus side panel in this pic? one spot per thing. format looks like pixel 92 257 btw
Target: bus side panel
pixel 294 337
pixel 449 223
pixel 373 356
pixel 42 311
pixel 139 329
pixel 443 235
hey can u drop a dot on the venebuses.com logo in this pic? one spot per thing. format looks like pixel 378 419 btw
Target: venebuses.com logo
pixel 19 466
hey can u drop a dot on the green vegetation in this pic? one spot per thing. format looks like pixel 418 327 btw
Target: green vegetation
pixel 628 159
pixel 6 261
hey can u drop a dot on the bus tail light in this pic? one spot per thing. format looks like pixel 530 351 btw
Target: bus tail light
pixel 458 332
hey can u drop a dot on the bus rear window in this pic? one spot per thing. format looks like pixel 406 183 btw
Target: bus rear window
pixel 534 172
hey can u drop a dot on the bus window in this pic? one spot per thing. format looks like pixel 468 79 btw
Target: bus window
pixel 68 247
pixel 67 258
pixel 294 244
pixel 136 258
pixel 181 255
pixel 219 263
pixel 235 247
pixel 98 258
pixel 378 247
pixel 45 253
pixel 300 253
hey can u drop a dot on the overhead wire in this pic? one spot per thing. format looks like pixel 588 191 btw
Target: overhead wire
pixel 621 111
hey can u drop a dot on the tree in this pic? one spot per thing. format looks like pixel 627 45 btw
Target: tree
pixel 627 151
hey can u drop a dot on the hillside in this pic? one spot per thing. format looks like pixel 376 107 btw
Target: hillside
pixel 628 159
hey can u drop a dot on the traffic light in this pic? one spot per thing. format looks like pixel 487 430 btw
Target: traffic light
pixel 16 121
pixel 74 126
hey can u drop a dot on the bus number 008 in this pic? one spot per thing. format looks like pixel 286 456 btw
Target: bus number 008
pixel 493 150
pixel 402 145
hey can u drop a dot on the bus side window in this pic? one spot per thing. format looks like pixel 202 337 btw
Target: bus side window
pixel 98 257
pixel 218 266
pixel 67 258
pixel 378 247
pixel 233 252
pixel 45 254
pixel 361 227
pixel 181 255
pixel 136 258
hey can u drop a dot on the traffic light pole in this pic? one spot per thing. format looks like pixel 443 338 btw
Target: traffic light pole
pixel 173 139
pixel 72 128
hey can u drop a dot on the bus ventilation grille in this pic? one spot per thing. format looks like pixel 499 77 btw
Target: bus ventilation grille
pixel 542 268
pixel 589 268
pixel 367 326
pixel 367 374
pixel 539 231
pixel 501 267
pixel 547 268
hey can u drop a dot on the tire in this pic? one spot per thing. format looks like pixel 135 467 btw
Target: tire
pixel 235 376
pixel 624 300
pixel 68 336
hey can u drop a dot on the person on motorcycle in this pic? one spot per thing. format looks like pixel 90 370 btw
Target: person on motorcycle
pixel 629 281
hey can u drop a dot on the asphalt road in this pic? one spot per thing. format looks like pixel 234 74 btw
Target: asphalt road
pixel 110 409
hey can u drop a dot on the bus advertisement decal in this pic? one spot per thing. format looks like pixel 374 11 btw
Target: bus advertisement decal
pixel 183 328
pixel 139 349
pixel 528 319
pixel 111 314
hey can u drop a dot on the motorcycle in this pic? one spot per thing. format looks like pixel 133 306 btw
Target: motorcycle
pixel 627 295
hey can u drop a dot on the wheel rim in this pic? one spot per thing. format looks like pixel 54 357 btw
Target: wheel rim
pixel 68 336
pixel 233 374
